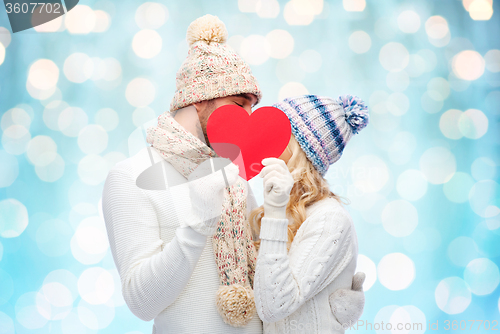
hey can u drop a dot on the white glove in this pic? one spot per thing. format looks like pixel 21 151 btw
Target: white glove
pixel 278 183
pixel 346 304
pixel 206 192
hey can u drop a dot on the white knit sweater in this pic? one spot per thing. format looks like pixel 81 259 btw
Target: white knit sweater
pixel 168 273
pixel 291 289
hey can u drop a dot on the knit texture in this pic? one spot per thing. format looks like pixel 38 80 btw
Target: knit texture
pixel 293 288
pixel 167 272
pixel 212 69
pixel 323 126
pixel 234 250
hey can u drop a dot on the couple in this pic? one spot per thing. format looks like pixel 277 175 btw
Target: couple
pixel 200 256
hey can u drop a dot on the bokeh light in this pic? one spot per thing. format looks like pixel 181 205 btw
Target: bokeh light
pixel 396 271
pixel 453 295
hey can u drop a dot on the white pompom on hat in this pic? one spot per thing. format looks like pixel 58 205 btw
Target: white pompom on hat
pixel 212 69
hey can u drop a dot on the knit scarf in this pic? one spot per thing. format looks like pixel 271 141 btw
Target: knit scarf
pixel 234 251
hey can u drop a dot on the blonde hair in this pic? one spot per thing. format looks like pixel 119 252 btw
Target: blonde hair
pixel 309 187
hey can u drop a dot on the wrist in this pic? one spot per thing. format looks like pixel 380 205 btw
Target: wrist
pixel 277 212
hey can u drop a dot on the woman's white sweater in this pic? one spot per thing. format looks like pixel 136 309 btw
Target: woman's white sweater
pixel 291 289
pixel 168 273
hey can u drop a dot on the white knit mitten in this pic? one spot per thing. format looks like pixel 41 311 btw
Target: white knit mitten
pixel 278 183
pixel 206 192
pixel 347 305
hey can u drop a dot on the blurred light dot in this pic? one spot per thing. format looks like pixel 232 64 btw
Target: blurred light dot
pixel 492 102
pixel 431 102
pixel 412 318
pixel 384 315
pixel 360 42
pixel 92 169
pixel 96 285
pixel 483 198
pixel 492 59
pixel 309 7
pixel 27 311
pixel 394 56
pixel 402 148
pixel 378 101
pixel 16 116
pixel 7 324
pixel 473 124
pixel 448 124
pixel 78 67
pixel 483 168
pixel 482 276
pixel 480 10
pixel 397 81
pixel 71 324
pixel 436 27
pixel 462 250
pixel 42 150
pixel 7 289
pixel 369 173
pixel 430 59
pixel 310 61
pixel 142 115
pixel 71 121
pixel 235 42
pixel 409 22
pixel 416 66
pixel 255 49
pixel 59 297
pixel 2 54
pixel 289 69
pixel 398 104
pixel 113 158
pixel 9 169
pixel 15 139
pixel 151 15
pixel 248 6
pixel 467 3
pixel 107 118
pixel 96 317
pixel 411 185
pixel 13 218
pixel 43 74
pixel 103 20
pixel 5 37
pixel 147 43
pixel 281 43
pixel 50 26
pixel 292 17
pixel 440 86
pixel 354 5
pixel 458 187
pixel 386 27
pixel 53 237
pixel 487 239
pixel 468 65
pixel 65 278
pixel 452 295
pixel 93 139
pixel 53 171
pixel 140 92
pixel 80 20
pixel 109 69
pixel 438 165
pixel 399 218
pixel 292 89
pixel 366 265
pixel 268 9
pixel 396 271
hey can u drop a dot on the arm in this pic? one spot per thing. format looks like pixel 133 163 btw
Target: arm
pixel 284 283
pixel 151 277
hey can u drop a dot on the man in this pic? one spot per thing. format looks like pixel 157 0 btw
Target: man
pixel 160 238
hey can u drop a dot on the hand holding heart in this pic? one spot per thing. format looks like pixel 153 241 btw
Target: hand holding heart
pixel 278 183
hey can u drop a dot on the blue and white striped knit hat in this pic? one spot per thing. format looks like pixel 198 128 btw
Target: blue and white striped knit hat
pixel 323 126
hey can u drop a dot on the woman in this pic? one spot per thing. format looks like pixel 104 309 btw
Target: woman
pixel 308 245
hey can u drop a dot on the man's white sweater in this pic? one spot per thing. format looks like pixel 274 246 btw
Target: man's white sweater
pixel 168 273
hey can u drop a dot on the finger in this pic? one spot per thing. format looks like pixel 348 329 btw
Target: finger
pixel 273 184
pixel 273 173
pixel 358 280
pixel 269 161
pixel 271 168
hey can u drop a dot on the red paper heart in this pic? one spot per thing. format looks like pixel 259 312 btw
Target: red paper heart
pixel 247 139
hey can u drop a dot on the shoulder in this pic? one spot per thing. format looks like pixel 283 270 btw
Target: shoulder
pixel 329 214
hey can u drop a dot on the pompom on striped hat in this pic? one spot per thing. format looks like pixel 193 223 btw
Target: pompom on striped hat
pixel 323 126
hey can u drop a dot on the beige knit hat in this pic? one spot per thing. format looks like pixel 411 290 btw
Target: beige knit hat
pixel 212 69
